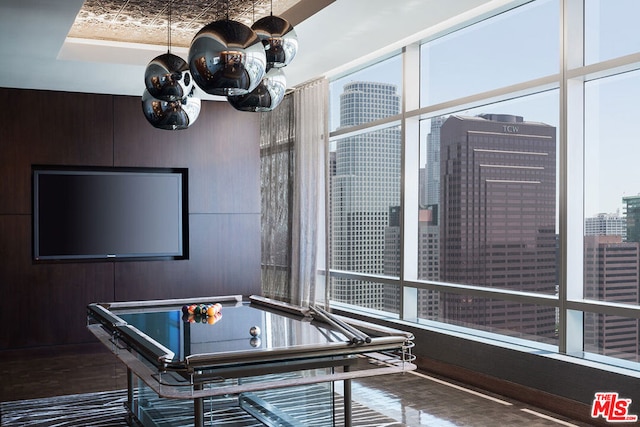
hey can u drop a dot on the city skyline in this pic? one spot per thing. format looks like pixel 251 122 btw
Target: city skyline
pixel 515 64
pixel 610 153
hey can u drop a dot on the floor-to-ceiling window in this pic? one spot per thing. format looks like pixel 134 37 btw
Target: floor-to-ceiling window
pixel 365 182
pixel 497 192
pixel 611 178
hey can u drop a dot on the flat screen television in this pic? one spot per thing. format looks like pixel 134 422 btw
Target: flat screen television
pixel 101 213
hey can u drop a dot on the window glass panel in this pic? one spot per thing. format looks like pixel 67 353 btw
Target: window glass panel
pixel 364 204
pixel 611 29
pixel 370 94
pixel 488 179
pixel 612 336
pixel 488 196
pixel 383 297
pixel 512 319
pixel 611 189
pixel 513 47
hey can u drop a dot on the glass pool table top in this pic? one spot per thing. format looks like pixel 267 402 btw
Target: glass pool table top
pixel 172 339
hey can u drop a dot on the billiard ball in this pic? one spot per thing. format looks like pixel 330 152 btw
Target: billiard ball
pixel 213 309
pixel 254 331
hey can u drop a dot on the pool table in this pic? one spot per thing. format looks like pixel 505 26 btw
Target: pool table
pixel 177 350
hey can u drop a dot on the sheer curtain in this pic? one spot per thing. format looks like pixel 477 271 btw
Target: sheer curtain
pixel 276 179
pixel 311 109
pixel 293 149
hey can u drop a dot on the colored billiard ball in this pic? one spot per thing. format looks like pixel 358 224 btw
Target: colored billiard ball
pixel 254 331
pixel 213 309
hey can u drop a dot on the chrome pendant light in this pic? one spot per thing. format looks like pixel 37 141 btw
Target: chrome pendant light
pixel 279 39
pixel 266 96
pixel 270 92
pixel 227 58
pixel 170 115
pixel 167 77
pixel 168 102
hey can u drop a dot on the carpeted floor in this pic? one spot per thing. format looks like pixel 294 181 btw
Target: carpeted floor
pixel 107 409
pixel 91 409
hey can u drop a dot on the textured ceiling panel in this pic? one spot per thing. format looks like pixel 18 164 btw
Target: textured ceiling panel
pixel 146 21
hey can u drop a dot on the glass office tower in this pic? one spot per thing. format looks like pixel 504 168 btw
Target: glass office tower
pixel 364 186
pixel 611 273
pixel 497 221
pixel 632 213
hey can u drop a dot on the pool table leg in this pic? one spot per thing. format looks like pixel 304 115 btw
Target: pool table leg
pixel 130 387
pixel 198 408
pixel 347 400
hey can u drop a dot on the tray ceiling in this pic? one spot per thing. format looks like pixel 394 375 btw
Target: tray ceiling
pixel 146 21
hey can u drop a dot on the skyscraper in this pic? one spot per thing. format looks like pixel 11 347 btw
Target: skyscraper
pixel 632 213
pixel 392 258
pixel 606 225
pixel 432 164
pixel 365 185
pixel 611 273
pixel 428 261
pixel 498 214
pixel 428 220
pixel 428 254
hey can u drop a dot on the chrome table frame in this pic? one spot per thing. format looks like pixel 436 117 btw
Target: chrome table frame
pixel 388 350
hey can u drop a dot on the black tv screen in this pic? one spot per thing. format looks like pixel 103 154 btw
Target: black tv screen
pixel 109 213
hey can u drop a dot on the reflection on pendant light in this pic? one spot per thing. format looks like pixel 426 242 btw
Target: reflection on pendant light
pixel 170 115
pixel 167 76
pixel 270 92
pixel 279 39
pixel 266 96
pixel 168 102
pixel 227 58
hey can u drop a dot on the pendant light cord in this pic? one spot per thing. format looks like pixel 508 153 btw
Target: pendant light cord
pixel 169 29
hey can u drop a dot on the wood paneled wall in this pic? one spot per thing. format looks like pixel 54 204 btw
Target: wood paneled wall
pixel 45 304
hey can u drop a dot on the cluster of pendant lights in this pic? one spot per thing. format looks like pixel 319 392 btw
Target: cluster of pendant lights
pixel 226 58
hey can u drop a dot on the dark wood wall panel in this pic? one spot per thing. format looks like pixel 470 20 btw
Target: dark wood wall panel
pixel 221 246
pixel 44 304
pixel 221 150
pixel 228 245
pixel 52 128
